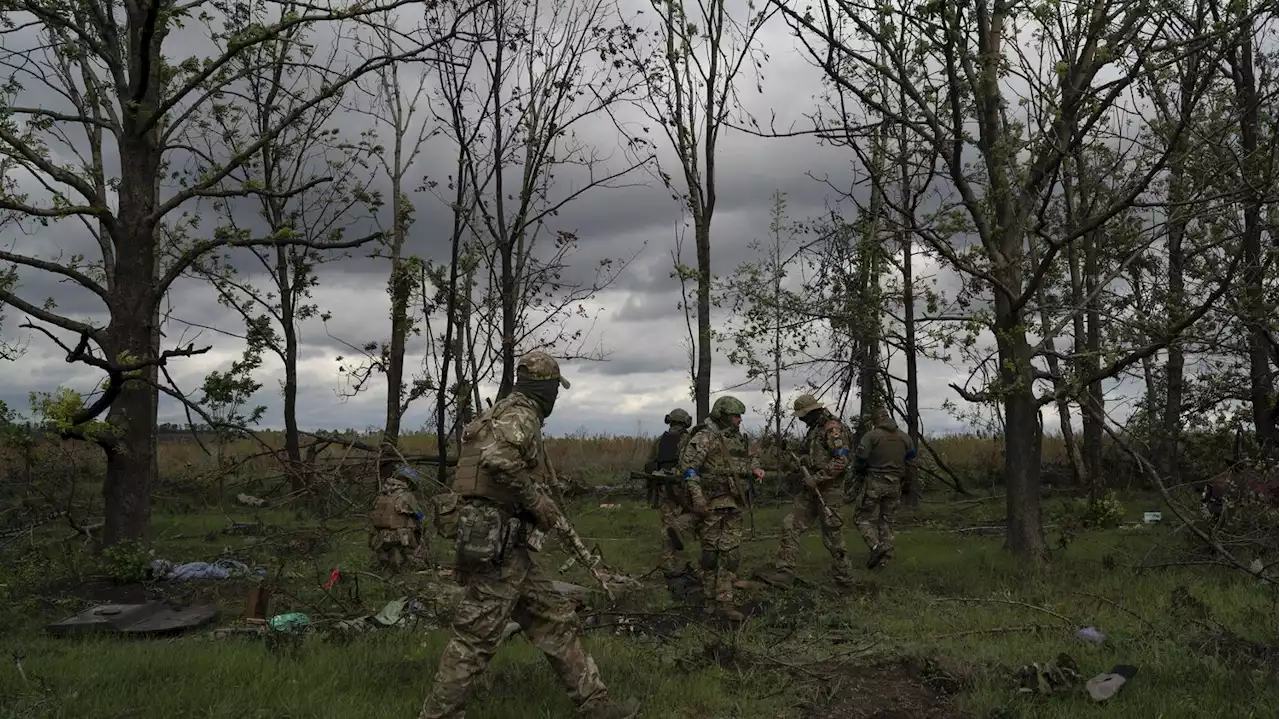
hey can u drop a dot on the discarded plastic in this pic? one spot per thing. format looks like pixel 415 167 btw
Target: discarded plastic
pixel 1150 517
pixel 221 569
pixel 289 622
pixel 1089 634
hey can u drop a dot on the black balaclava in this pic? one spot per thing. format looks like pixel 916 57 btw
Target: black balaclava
pixel 812 417
pixel 543 392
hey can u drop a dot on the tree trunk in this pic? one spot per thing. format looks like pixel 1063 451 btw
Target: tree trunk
pixel 1092 418
pixel 909 335
pixel 509 309
pixel 1079 341
pixel 702 381
pixel 288 328
pixel 1171 429
pixel 1025 534
pixel 131 334
pixel 400 285
pixel 1078 473
pixel 451 335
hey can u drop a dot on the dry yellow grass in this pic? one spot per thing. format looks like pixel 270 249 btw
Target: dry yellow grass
pixel 590 455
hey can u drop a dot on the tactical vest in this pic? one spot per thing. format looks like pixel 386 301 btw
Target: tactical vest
pixel 385 516
pixel 726 457
pixel 669 450
pixel 471 480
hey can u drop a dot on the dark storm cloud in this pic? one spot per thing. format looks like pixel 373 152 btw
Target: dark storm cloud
pixel 641 327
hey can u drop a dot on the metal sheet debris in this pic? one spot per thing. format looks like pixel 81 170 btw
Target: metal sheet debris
pixel 147 618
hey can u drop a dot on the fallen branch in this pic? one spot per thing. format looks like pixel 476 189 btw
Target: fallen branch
pixel 1065 620
pixel 992 630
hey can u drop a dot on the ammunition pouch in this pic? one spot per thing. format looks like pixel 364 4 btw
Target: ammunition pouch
pixel 447 514
pixel 484 535
pixel 385 517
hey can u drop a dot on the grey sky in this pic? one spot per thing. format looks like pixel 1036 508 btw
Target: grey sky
pixel 638 326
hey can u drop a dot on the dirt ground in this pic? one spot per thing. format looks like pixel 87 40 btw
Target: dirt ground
pixel 892 690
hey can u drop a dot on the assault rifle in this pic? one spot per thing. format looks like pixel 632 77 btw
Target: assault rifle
pixel 655 482
pixel 829 515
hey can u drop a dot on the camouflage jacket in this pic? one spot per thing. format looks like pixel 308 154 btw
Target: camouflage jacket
pixel 514 454
pixel 826 450
pixel 886 451
pixel 715 462
pixel 396 498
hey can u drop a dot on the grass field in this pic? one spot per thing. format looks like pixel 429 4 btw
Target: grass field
pixel 940 632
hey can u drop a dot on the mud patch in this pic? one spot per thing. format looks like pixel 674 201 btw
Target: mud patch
pixel 900 689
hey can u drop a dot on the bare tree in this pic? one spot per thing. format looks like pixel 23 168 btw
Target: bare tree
pixel 398 102
pixel 103 70
pixel 955 72
pixel 693 97
pixel 551 67
pixel 315 190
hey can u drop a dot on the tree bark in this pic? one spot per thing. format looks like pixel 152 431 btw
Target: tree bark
pixel 702 380
pixel 1023 435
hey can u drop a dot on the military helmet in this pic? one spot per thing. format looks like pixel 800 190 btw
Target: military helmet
pixel 805 404
pixel 728 405
pixel 540 365
pixel 408 474
pixel 677 416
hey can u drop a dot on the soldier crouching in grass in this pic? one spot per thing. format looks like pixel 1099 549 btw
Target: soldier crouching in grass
pixel 504 509
pixel 396 538
pixel 674 508
pixel 716 462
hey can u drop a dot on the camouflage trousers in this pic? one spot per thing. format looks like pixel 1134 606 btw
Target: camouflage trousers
pixel 721 536
pixel 805 512
pixel 676 517
pixel 397 549
pixel 876 504
pixel 520 591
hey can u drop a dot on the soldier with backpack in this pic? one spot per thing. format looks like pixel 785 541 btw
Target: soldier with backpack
pixel 674 509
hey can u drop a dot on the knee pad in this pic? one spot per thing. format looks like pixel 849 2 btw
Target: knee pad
pixel 732 559
pixel 709 560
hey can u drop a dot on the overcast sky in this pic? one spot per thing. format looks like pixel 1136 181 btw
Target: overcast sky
pixel 636 321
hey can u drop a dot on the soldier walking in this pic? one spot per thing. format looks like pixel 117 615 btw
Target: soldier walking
pixel 824 462
pixel 504 509
pixel 716 461
pixel 885 465
pixel 674 507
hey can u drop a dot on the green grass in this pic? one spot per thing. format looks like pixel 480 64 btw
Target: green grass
pixel 954 609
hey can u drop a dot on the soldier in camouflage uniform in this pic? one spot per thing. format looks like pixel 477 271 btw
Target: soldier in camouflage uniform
pixel 504 508
pixel 674 508
pixel 396 538
pixel 716 464
pixel 885 464
pixel 826 457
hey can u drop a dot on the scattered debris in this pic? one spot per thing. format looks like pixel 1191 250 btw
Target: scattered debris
pixel 289 622
pixel 1045 678
pixel 1090 634
pixel 221 569
pixel 255 604
pixel 249 500
pixel 146 618
pixel 1150 517
pixel 1105 685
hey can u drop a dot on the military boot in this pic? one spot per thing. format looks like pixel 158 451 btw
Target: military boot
pixel 613 710
pixel 727 612
pixel 879 554
pixel 777 577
